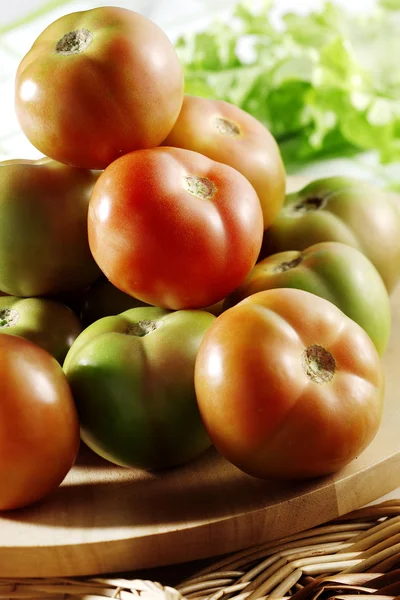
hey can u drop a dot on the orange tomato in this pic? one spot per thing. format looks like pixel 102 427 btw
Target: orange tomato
pixel 97 84
pixel 39 428
pixel 288 386
pixel 228 134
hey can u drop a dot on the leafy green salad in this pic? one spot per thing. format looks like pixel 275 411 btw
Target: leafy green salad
pixel 326 83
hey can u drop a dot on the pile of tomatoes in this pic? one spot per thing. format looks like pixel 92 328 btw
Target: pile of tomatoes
pixel 160 292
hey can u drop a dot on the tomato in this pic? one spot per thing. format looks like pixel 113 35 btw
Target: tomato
pixel 331 270
pixel 97 84
pixel 50 325
pixel 103 299
pixel 228 134
pixel 39 428
pixel 340 209
pixel 288 386
pixel 44 245
pixel 174 228
pixel 132 377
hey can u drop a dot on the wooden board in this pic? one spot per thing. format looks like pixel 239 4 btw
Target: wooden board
pixel 108 519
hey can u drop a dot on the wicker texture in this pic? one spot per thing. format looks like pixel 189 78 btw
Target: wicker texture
pixel 357 555
pixel 343 555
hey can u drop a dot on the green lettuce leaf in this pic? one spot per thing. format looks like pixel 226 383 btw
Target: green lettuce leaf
pixel 326 83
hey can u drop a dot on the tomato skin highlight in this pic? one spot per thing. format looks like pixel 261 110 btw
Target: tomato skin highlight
pixel 132 376
pixel 174 228
pixel 259 404
pixel 116 88
pixel 39 428
pixel 226 133
pixel 331 270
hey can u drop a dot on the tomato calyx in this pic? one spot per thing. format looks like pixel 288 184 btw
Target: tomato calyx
pixel 286 265
pixel 318 364
pixel 142 328
pixel 201 187
pixel 74 42
pixel 8 317
pixel 226 127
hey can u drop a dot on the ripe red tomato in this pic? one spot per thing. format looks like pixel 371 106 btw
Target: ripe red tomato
pixel 228 134
pixel 173 228
pixel 288 386
pixel 97 84
pixel 39 428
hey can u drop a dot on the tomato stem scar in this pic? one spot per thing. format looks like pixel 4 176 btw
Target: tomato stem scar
pixel 142 328
pixel 8 317
pixel 74 42
pixel 289 264
pixel 318 364
pixel 309 204
pixel 201 187
pixel 226 127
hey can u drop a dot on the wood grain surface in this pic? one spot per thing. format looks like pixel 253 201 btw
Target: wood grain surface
pixel 108 519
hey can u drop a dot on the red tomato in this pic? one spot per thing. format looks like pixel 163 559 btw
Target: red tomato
pixel 173 228
pixel 39 428
pixel 288 386
pixel 228 134
pixel 97 84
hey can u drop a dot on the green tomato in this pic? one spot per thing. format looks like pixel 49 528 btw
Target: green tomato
pixel 44 247
pixel 103 299
pixel 331 270
pixel 340 209
pixel 132 377
pixel 50 325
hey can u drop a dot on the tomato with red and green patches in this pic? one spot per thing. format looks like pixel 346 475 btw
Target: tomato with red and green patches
pixel 340 209
pixel 288 386
pixel 331 270
pixel 132 377
pixel 44 246
pixel 97 84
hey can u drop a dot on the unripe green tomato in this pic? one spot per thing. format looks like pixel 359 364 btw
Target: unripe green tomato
pixel 331 270
pixel 340 209
pixel 44 248
pixel 132 378
pixel 50 325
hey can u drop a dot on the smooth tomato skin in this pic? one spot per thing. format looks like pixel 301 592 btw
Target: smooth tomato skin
pixel 340 209
pixel 51 325
pixel 331 270
pixel 226 133
pixel 44 246
pixel 39 428
pixel 132 376
pixel 260 407
pixel 122 92
pixel 162 244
